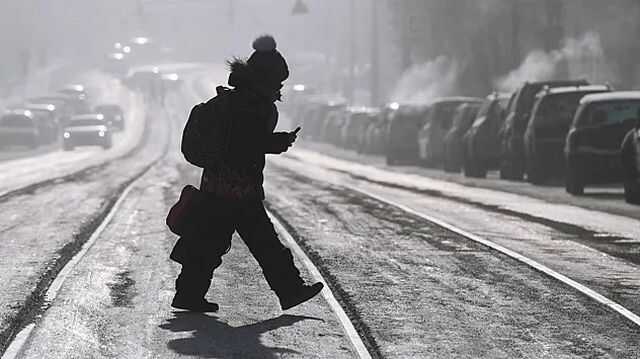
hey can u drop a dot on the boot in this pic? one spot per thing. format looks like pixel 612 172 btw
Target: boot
pixel 299 295
pixel 193 304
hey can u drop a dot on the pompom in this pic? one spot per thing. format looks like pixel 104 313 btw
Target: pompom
pixel 264 43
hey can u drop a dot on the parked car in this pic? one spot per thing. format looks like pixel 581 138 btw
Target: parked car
pixel 482 149
pixel 431 135
pixel 357 120
pixel 453 141
pixel 331 126
pixel 315 119
pixel 592 148
pixel 630 156
pixel 402 142
pixel 376 133
pixel 19 128
pixel 113 114
pixel 87 130
pixel 512 163
pixel 547 129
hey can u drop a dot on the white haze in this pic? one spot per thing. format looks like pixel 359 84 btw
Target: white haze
pixel 422 83
pixel 583 57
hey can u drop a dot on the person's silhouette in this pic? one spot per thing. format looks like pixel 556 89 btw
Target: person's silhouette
pixel 233 188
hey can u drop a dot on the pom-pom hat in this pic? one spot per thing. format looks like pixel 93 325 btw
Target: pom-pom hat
pixel 266 62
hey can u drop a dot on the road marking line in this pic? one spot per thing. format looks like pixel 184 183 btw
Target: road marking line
pixel 350 330
pixel 20 340
pixel 515 255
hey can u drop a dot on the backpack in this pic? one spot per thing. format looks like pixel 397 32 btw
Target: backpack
pixel 206 135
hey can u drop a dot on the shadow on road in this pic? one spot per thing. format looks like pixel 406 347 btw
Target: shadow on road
pixel 213 338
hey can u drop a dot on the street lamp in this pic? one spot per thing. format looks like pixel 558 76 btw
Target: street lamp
pixel 299 8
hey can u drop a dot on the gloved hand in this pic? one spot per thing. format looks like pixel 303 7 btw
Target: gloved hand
pixel 280 142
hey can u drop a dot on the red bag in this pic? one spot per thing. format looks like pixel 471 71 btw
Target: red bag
pixel 185 210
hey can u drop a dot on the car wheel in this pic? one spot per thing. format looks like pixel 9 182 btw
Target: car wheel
pixel 506 172
pixel 632 192
pixel 391 161
pixel 573 184
pixel 535 174
pixel 474 169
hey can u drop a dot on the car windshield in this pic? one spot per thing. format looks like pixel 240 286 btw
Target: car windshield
pixel 610 113
pixel 15 121
pixel 86 122
pixel 558 109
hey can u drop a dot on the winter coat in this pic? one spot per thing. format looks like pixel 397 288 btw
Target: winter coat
pixel 253 121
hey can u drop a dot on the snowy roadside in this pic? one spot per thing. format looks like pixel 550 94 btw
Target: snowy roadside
pixel 624 224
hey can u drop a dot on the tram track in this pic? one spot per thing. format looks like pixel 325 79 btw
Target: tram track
pixel 349 301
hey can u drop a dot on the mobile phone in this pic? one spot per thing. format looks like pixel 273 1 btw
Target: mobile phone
pixel 295 132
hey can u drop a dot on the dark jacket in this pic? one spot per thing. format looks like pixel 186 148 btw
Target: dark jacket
pixel 253 119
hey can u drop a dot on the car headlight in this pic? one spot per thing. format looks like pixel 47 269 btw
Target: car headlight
pixel 66 135
pixel 101 133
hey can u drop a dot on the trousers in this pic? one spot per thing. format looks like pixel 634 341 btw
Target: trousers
pixel 201 248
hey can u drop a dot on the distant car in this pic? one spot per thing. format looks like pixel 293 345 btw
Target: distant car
pixel 592 148
pixel 481 140
pixel 113 115
pixel 70 105
pixel 19 128
pixel 357 119
pixel 630 155
pixel 74 90
pixel 512 164
pixel 402 134
pixel 47 119
pixel 440 120
pixel 171 81
pixel 547 130
pixel 453 140
pixel 87 130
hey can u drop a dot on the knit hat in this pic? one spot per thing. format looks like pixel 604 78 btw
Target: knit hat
pixel 266 63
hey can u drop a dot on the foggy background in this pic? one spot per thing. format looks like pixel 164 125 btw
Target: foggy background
pixel 409 51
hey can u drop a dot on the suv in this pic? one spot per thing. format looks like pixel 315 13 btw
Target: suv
pixel 402 142
pixel 512 164
pixel 481 141
pixel 592 149
pixel 631 164
pixel 453 141
pixel 431 136
pixel 547 129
